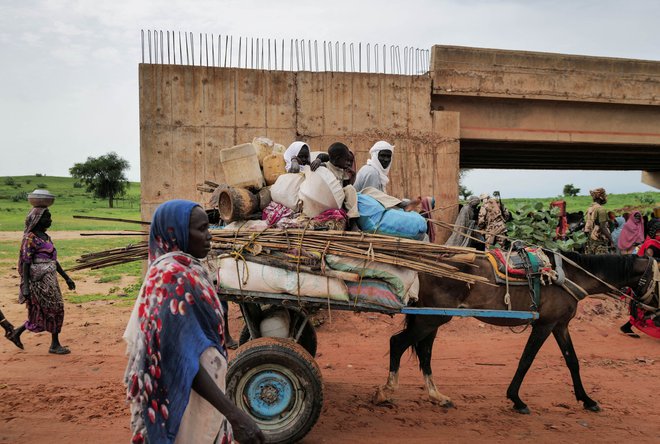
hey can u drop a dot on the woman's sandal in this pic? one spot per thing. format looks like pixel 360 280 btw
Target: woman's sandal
pixel 61 350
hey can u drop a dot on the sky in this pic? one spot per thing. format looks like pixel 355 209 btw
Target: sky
pixel 69 85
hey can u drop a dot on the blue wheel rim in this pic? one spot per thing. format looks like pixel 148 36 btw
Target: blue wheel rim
pixel 269 394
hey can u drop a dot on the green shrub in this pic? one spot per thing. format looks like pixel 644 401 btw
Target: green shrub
pixel 39 175
pixel 646 199
pixel 535 225
pixel 28 181
pixel 20 197
pixel 77 185
pixel 42 185
pixel 10 181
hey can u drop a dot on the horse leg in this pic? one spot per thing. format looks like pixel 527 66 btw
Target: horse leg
pixel 424 350
pixel 536 339
pixel 399 343
pixel 563 338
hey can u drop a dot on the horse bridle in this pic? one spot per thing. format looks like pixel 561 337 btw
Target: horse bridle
pixel 646 285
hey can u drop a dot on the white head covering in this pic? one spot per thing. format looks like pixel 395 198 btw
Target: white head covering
pixel 292 152
pixel 379 146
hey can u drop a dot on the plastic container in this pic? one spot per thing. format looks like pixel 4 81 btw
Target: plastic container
pixel 41 198
pixel 276 325
pixel 274 167
pixel 264 147
pixel 241 166
pixel 236 204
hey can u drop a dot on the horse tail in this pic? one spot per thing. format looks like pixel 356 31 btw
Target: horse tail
pixel 408 325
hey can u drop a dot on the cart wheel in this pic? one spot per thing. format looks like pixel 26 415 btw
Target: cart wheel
pixel 279 385
pixel 307 339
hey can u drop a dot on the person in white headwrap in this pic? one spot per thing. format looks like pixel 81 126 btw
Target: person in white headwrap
pixel 296 156
pixel 375 172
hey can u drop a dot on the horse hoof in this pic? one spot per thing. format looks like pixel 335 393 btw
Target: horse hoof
pixel 522 410
pixel 593 408
pixel 380 397
pixel 448 405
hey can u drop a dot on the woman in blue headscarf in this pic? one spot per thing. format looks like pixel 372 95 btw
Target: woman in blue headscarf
pixel 177 357
pixel 620 222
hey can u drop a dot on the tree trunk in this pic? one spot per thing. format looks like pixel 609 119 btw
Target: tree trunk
pixel 110 200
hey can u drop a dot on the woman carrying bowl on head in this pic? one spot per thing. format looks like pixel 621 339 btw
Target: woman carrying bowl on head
pixel 39 289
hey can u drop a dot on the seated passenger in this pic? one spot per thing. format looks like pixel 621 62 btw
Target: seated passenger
pixel 375 172
pixel 296 156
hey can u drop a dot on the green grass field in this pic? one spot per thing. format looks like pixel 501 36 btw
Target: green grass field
pixel 69 201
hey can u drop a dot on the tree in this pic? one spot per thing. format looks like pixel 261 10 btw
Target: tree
pixel 103 176
pixel 463 191
pixel 570 190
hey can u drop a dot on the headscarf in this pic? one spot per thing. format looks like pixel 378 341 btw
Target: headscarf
pixel 379 146
pixel 31 220
pixel 632 233
pixel 598 193
pixel 176 317
pixel 170 228
pixel 620 221
pixel 292 152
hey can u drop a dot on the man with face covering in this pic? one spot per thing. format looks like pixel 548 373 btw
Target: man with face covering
pixel 375 172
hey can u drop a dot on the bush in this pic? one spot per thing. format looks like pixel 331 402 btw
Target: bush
pixel 42 185
pixel 536 225
pixel 28 181
pixel 646 199
pixel 39 175
pixel 77 185
pixel 10 181
pixel 20 197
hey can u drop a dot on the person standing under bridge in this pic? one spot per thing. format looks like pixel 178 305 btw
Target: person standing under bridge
pixel 596 227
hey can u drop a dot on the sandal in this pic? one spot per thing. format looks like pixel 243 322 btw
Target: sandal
pixel 61 350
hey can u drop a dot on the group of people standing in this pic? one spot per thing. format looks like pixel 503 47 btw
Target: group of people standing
pixel 625 234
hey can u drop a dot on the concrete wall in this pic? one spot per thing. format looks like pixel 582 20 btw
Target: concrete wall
pixel 188 114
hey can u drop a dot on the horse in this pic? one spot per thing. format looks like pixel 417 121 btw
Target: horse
pixel 556 308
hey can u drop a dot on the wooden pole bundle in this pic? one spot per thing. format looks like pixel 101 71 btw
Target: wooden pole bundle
pixel 438 260
pixel 419 256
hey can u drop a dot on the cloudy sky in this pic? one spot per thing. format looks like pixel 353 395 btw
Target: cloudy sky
pixel 69 68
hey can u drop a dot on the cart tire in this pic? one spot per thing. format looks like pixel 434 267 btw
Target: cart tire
pixel 307 339
pixel 279 385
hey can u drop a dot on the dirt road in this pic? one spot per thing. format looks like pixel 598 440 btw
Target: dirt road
pixel 80 397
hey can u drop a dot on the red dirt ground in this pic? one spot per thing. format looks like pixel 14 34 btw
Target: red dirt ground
pixel 80 397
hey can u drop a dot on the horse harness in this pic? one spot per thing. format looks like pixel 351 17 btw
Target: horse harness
pixel 522 266
pixel 649 284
